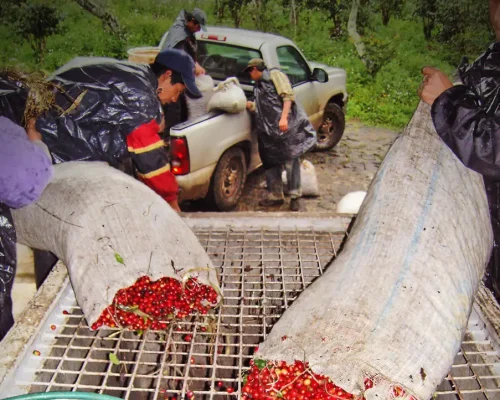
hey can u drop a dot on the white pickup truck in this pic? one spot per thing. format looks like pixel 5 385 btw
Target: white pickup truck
pixel 212 154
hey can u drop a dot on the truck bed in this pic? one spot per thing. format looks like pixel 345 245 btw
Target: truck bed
pixel 264 260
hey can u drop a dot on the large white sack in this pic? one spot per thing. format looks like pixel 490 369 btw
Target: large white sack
pixel 351 203
pixel 228 96
pixel 199 107
pixel 394 305
pixel 308 180
pixel 90 213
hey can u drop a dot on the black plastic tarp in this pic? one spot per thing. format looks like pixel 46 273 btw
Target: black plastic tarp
pixel 7 268
pixel 13 96
pixel 276 147
pixel 104 100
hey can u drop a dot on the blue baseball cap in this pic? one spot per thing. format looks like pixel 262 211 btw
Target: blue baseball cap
pixel 180 62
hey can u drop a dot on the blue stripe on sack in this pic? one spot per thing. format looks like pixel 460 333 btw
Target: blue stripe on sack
pixel 412 249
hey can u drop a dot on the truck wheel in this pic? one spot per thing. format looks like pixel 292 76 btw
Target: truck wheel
pixel 332 127
pixel 228 180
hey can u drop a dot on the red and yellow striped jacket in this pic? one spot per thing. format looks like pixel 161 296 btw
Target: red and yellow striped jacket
pixel 151 160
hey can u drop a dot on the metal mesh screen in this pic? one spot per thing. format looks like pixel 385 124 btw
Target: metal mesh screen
pixel 261 274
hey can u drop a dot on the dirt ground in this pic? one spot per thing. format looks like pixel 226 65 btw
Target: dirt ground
pixel 349 167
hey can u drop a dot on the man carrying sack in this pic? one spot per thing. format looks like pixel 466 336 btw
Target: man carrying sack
pixel 283 129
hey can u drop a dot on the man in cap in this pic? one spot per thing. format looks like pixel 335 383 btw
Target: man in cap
pixel 181 35
pixel 283 129
pixel 467 118
pixel 113 112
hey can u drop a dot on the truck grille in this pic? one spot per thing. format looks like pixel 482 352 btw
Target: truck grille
pixel 262 272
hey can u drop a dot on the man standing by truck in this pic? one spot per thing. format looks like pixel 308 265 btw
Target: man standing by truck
pixel 467 118
pixel 283 129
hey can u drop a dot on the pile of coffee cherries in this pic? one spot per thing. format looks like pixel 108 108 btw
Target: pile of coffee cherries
pixel 271 380
pixel 278 380
pixel 153 305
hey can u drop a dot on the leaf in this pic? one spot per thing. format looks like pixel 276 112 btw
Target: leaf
pixel 261 364
pixel 119 258
pixel 114 358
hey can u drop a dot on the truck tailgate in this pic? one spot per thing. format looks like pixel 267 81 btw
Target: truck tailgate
pixel 264 260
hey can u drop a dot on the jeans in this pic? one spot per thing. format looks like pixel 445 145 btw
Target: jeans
pixel 275 182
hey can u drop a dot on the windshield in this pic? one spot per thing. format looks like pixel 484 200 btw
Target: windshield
pixel 224 60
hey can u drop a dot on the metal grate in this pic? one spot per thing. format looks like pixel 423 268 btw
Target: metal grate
pixel 261 272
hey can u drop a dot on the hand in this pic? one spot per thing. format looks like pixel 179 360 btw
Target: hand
pixel 162 124
pixel 33 134
pixel 199 70
pixel 283 124
pixel 434 83
pixel 250 105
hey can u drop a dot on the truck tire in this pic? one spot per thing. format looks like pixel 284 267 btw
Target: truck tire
pixel 332 127
pixel 228 180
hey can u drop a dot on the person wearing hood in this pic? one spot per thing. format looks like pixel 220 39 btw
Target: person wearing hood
pixel 467 117
pixel 181 35
pixel 25 171
pixel 283 130
pixel 113 112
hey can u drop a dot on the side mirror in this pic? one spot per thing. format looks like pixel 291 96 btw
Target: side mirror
pixel 319 75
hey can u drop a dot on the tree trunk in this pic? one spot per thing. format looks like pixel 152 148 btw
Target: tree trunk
pixel 386 16
pixel 353 33
pixel 108 19
pixel 428 26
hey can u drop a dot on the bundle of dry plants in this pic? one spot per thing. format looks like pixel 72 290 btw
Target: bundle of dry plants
pixel 41 93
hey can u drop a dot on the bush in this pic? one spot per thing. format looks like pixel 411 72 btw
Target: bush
pixel 387 98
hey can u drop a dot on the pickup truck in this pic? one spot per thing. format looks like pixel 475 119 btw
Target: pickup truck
pixel 213 154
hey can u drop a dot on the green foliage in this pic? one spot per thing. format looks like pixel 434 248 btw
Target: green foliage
pixel 382 94
pixel 388 8
pixel 36 23
pixel 463 26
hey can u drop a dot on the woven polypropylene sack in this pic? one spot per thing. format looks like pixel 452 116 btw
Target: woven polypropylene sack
pixel 308 179
pixel 394 305
pixel 199 107
pixel 228 96
pixel 109 230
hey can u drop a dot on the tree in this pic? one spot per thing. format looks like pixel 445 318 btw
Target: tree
pixel 35 24
pixel 334 9
pixel 427 11
pixel 373 53
pixel 388 8
pixel 109 20
pixel 235 8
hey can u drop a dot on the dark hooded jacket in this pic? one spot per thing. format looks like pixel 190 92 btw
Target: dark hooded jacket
pixel 181 38
pixel 278 147
pixel 467 118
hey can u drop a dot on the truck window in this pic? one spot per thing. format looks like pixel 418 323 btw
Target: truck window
pixel 223 60
pixel 293 64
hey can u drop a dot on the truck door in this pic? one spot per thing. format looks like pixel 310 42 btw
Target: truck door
pixel 293 64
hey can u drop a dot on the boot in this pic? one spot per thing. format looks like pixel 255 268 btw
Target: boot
pixel 295 204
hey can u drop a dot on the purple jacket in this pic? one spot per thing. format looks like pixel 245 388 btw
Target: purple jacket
pixel 25 169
